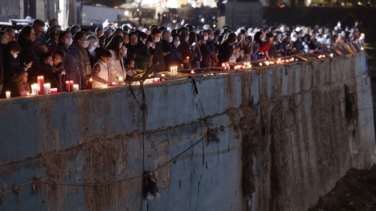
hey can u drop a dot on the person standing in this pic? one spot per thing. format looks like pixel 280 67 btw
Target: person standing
pixel 28 54
pixel 71 61
pixel 116 65
pixel 81 45
pixel 156 50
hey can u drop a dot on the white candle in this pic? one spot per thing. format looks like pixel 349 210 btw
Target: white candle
pixel 47 88
pixel 7 94
pixel 75 87
pixel 34 89
pixel 121 81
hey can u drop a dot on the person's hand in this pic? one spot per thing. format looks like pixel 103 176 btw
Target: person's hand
pixel 236 49
pixel 54 70
pixel 134 55
pixel 165 53
pixel 28 65
pixel 186 60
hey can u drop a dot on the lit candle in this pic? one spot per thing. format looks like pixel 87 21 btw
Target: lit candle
pixel 121 81
pixel 361 48
pixel 34 89
pixel 267 63
pixel 71 83
pixel 75 87
pixel 67 86
pixel 7 94
pixel 28 94
pixel 53 90
pixel 46 88
pixel 163 75
pixel 260 64
pixel 223 66
pixel 192 71
pixel 40 80
pixel 90 83
pixel 331 55
pixel 113 83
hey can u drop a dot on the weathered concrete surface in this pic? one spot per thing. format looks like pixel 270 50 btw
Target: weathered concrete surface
pixel 287 134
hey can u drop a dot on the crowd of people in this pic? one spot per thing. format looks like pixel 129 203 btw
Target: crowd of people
pixel 109 54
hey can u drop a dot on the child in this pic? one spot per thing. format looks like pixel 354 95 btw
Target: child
pixel 100 70
pixel 58 58
pixel 51 77
pixel 23 88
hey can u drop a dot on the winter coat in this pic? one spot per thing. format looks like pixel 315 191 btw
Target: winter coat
pixel 157 53
pixel 225 52
pixel 13 73
pixel 142 55
pixel 71 64
pixel 85 66
pixel 186 50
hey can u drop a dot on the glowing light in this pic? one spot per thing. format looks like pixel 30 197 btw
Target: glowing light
pixel 126 13
pixel 202 20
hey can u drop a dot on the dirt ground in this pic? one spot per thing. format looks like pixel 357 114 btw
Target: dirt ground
pixel 356 191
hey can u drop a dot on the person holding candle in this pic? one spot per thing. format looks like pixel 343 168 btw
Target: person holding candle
pixel 101 72
pixel 28 55
pixel 187 51
pixel 71 61
pixel 116 65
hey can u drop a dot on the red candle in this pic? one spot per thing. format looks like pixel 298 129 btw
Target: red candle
pixel 71 86
pixel 53 90
pixel 90 83
pixel 113 83
pixel 223 66
pixel 40 80
pixel 67 86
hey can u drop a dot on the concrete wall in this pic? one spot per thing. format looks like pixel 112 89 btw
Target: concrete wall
pixel 287 134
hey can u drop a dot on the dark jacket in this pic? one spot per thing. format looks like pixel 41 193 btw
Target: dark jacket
pixel 206 52
pixel 71 64
pixel 174 57
pixel 225 52
pixel 185 49
pixel 13 73
pixel 214 49
pixel 157 53
pixel 142 55
pixel 197 57
pixel 27 55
